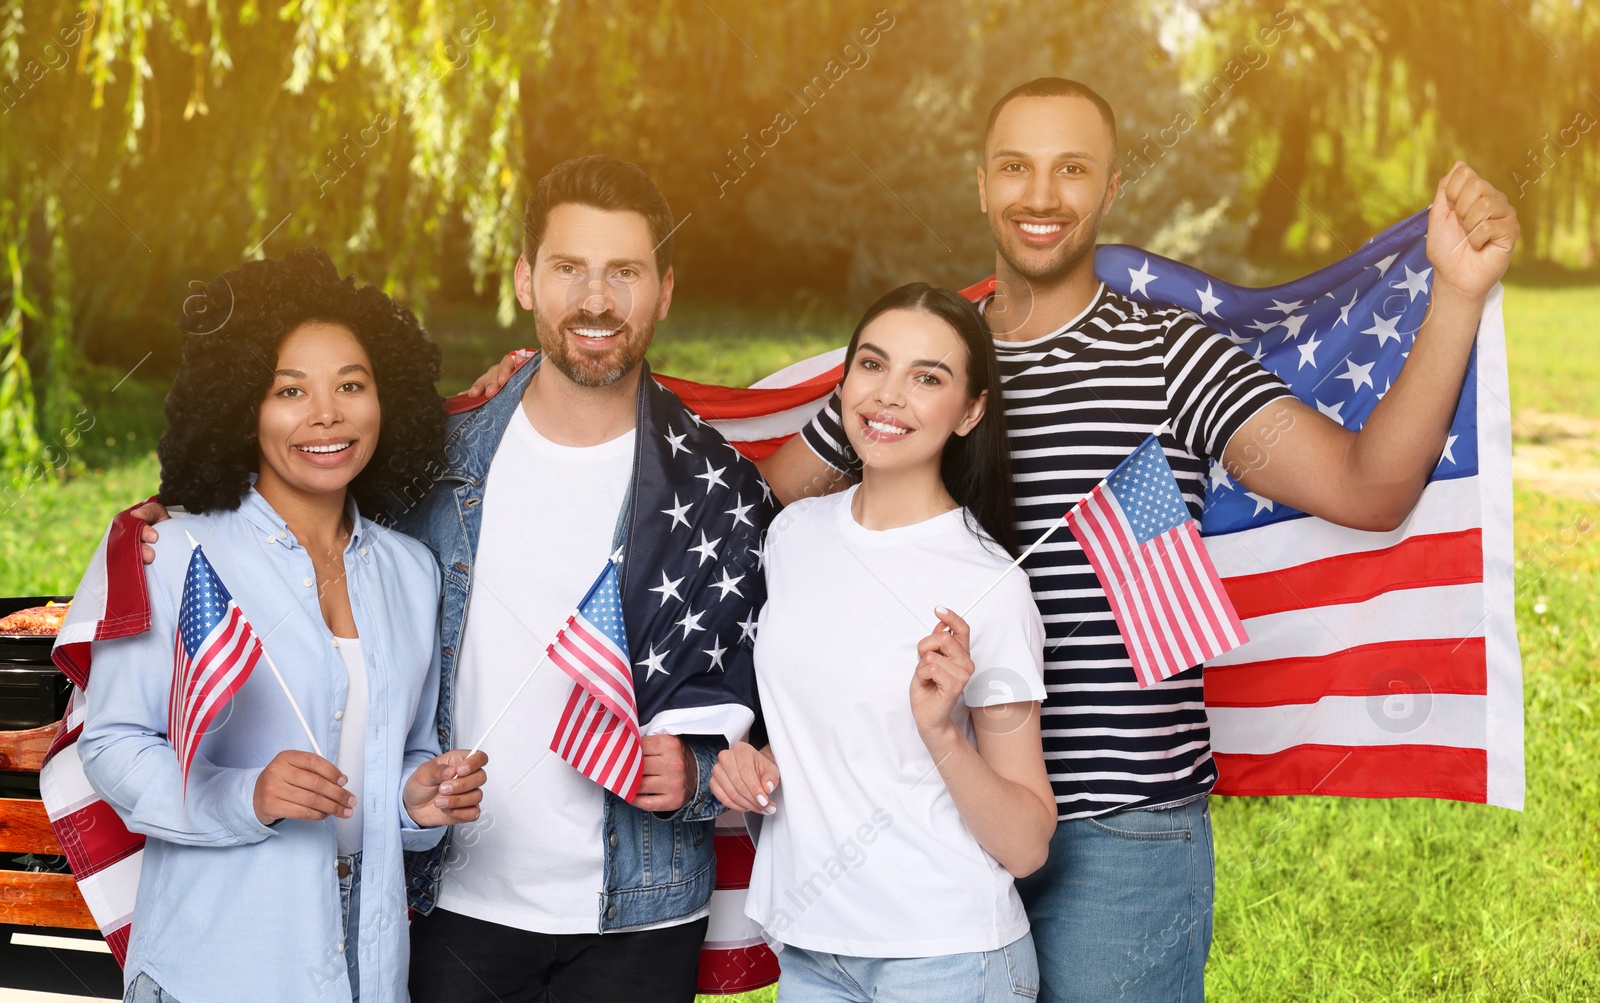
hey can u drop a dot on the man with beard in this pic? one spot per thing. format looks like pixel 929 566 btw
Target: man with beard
pixel 1123 908
pixel 562 889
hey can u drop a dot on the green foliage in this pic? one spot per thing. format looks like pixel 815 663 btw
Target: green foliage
pixel 143 143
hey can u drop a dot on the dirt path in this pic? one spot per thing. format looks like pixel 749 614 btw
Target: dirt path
pixel 1556 453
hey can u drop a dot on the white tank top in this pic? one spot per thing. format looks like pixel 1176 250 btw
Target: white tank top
pixel 351 759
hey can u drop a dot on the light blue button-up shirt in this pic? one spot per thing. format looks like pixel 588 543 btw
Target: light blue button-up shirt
pixel 228 908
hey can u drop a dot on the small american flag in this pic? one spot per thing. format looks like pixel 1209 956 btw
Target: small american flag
pixel 1146 551
pixel 598 732
pixel 214 653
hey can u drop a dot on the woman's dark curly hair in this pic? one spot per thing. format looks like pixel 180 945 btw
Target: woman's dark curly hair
pixel 234 327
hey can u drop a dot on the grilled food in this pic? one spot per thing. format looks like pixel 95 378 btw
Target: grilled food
pixel 35 621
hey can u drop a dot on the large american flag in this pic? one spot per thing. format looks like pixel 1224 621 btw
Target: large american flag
pixel 1379 664
pixel 215 651
pixel 1146 551
pixel 598 730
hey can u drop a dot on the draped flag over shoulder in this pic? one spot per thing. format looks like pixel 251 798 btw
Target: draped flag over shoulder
pixel 105 857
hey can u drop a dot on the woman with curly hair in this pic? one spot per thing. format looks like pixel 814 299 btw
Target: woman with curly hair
pixel 271 873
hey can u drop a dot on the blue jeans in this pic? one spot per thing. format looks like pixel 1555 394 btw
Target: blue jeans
pixel 144 990
pixel 350 910
pixel 1122 909
pixel 1000 976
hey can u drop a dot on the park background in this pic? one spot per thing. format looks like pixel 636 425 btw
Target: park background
pixel 816 154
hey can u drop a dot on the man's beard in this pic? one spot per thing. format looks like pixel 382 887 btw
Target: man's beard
pixel 1078 244
pixel 593 369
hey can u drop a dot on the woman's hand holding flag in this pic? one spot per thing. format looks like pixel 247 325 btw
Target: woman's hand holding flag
pixel 300 784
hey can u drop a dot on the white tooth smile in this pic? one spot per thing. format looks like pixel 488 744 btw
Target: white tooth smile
pixel 336 448
pixel 593 332
pixel 886 427
pixel 1040 228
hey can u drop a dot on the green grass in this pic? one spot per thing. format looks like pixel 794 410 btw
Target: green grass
pixel 1323 899
pixel 1553 346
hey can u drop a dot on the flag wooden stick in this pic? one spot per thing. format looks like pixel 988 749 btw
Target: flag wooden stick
pixel 1015 564
pixel 497 718
pixel 293 704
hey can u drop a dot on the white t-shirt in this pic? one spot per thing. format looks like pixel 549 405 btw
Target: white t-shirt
pixel 534 859
pixel 352 757
pixel 867 855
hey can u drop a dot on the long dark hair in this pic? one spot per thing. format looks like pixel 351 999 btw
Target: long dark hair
pixel 976 467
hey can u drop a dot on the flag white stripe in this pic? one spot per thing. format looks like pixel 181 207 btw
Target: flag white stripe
pixel 1504 724
pixel 1445 507
pixel 1441 611
pixel 769 426
pixel 1451 719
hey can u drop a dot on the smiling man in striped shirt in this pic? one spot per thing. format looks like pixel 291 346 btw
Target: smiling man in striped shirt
pixel 1123 908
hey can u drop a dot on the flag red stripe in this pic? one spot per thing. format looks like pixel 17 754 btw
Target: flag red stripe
pixel 117 940
pixel 127 598
pixel 714 402
pixel 736 857
pixel 1447 665
pixel 1199 624
pixel 1388 771
pixel 760 449
pixel 93 838
pixel 1438 559
pixel 567 729
pixel 737 969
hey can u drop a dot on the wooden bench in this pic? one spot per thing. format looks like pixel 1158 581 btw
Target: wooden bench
pixel 29 898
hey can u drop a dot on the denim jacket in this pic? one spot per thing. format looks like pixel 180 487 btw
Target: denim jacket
pixel 657 867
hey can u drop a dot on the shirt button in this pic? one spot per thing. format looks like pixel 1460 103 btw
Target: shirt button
pixel 363 551
pixel 341 947
pixel 336 642
pixel 307 582
pixel 282 535
pixel 338 715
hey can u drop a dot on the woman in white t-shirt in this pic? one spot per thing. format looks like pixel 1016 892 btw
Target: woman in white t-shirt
pixel 907 741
